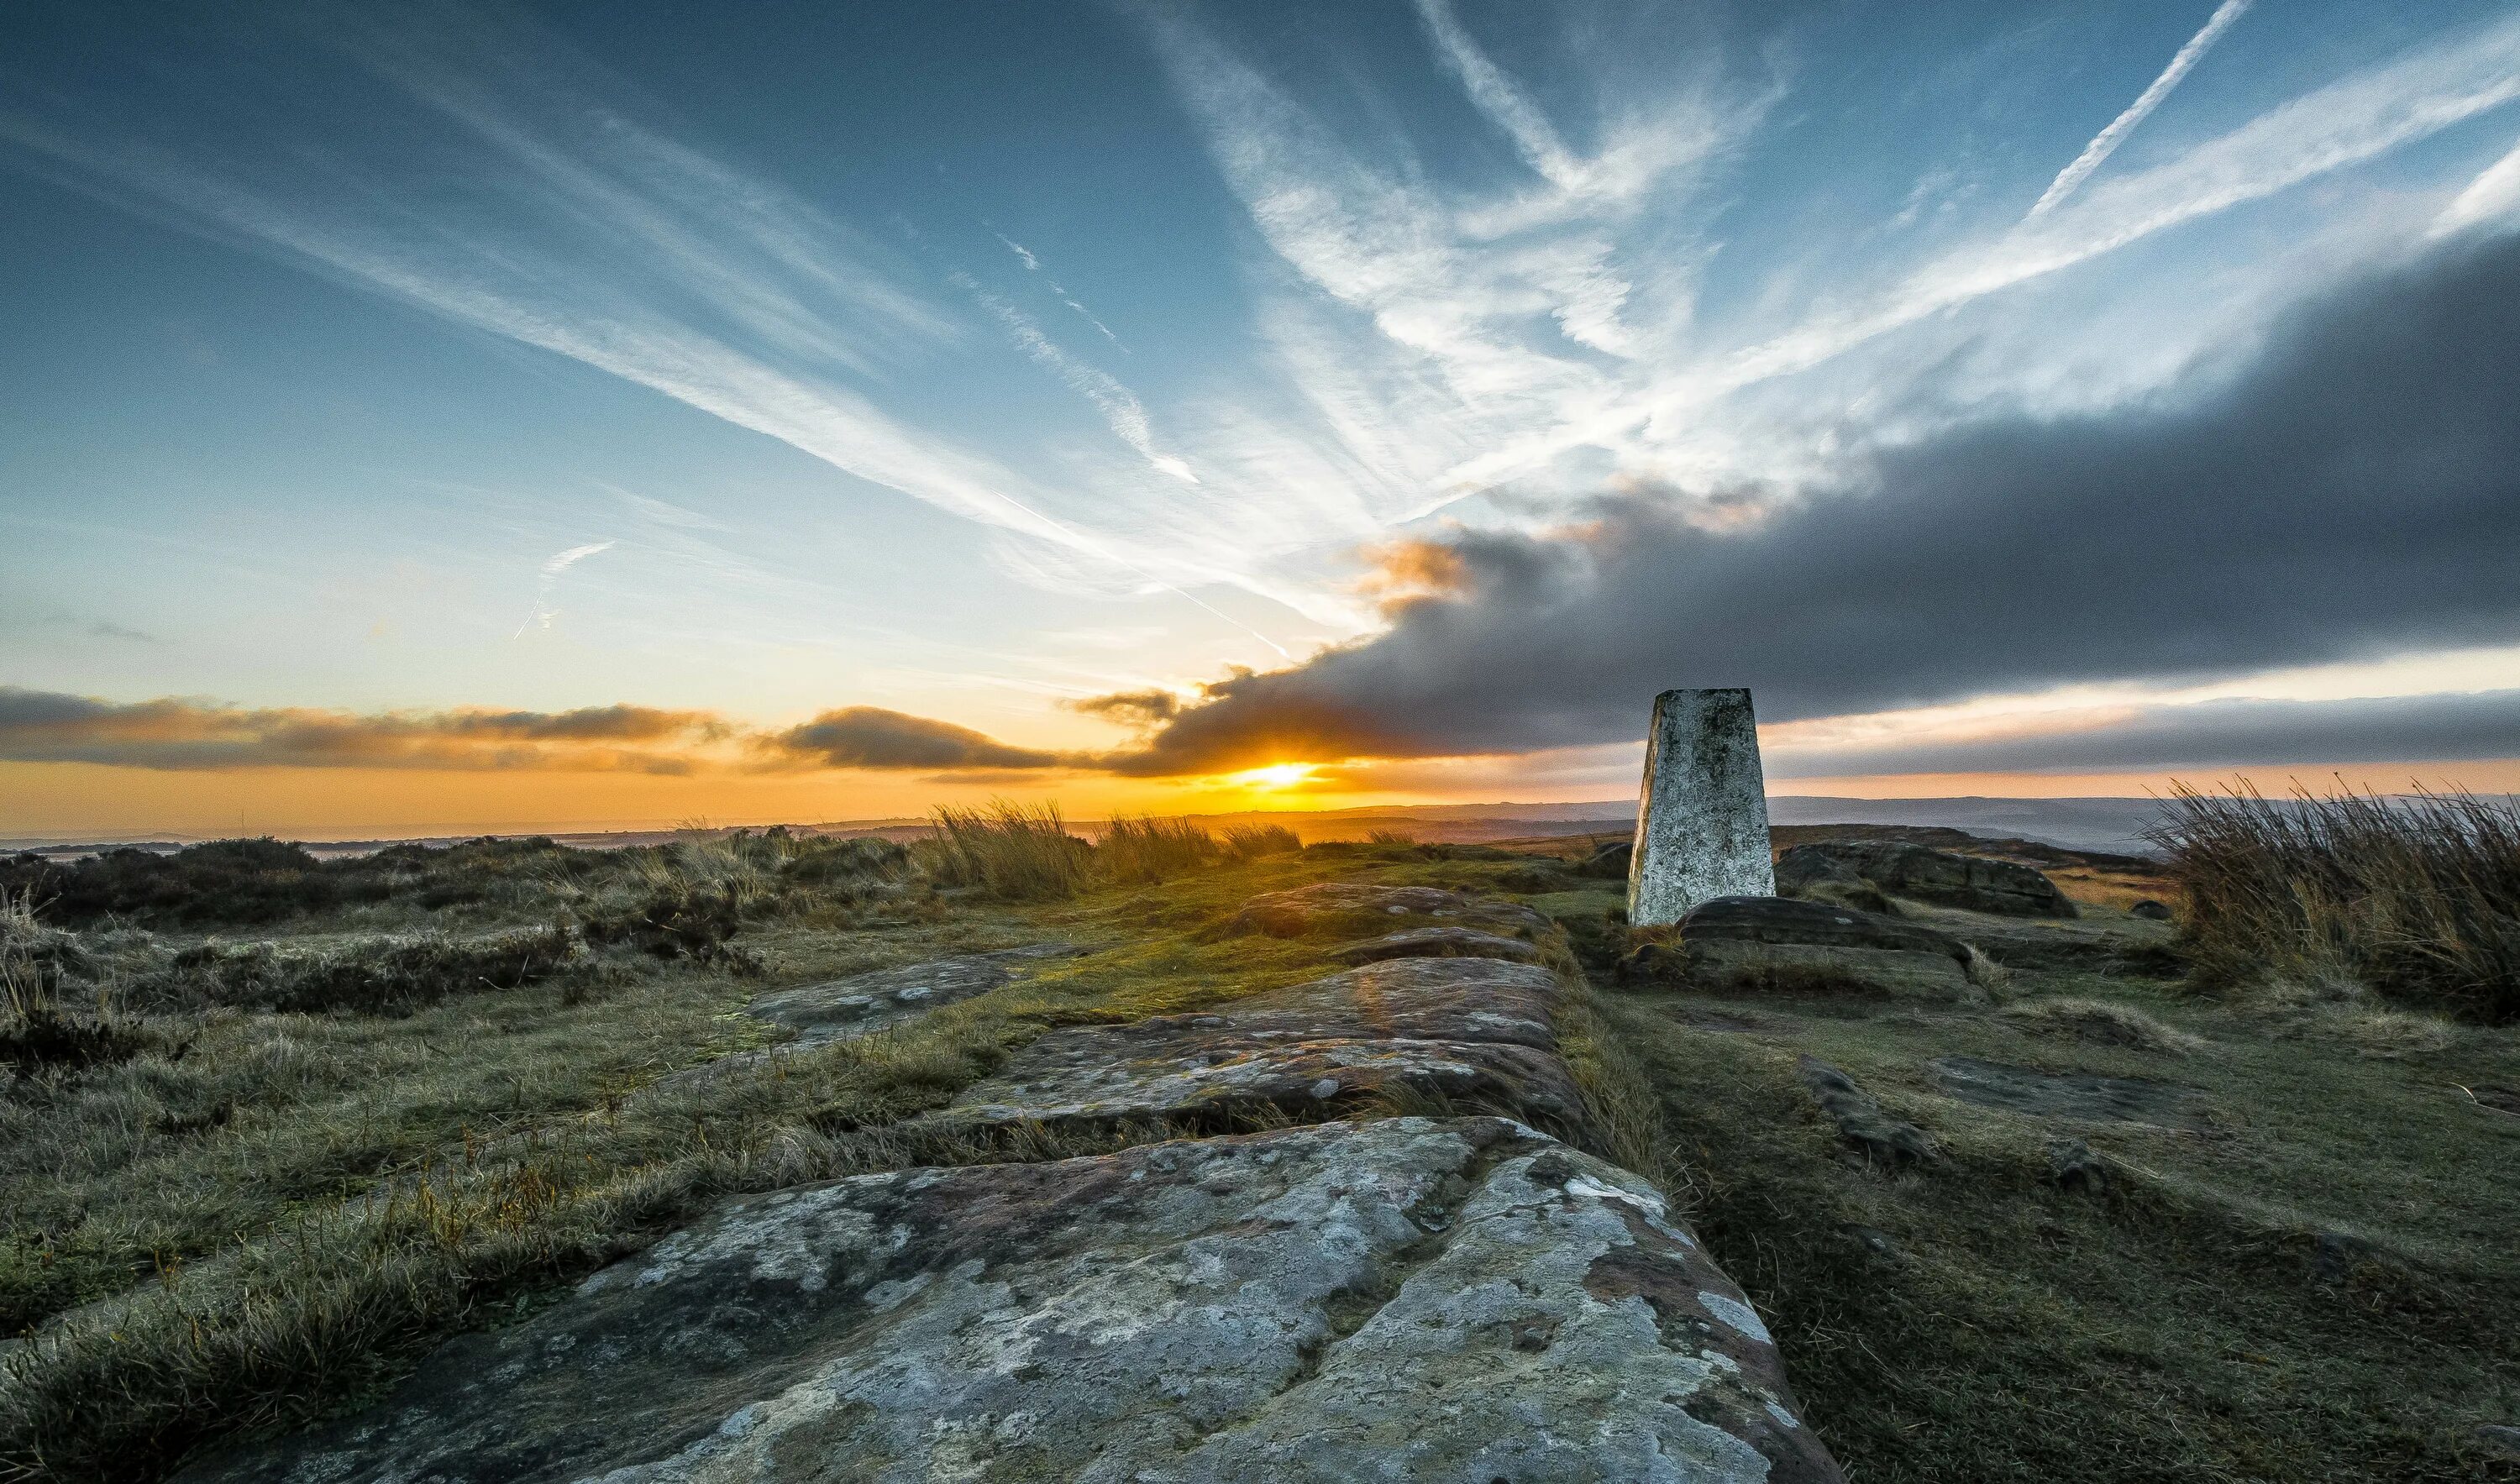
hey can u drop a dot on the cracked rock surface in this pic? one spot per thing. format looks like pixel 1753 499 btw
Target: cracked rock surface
pixel 1405 1300
pixel 1351 908
pixel 861 1003
pixel 1437 943
pixel 1476 1032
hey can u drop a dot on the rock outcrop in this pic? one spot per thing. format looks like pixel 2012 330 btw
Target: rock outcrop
pixel 1734 944
pixel 1405 1300
pixel 837 1009
pixel 1438 943
pixel 1349 908
pixel 1973 882
pixel 1477 1033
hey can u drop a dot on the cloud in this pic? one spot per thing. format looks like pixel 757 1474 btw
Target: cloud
pixel 2353 492
pixel 556 219
pixel 2355 119
pixel 1031 264
pixel 869 736
pixel 181 734
pixel 2206 735
pixel 1496 96
pixel 552 567
pixel 46 727
pixel 2491 194
pixel 1121 410
pixel 2105 143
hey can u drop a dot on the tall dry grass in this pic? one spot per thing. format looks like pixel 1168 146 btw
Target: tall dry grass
pixel 1249 842
pixel 2416 897
pixel 1150 849
pixel 1014 852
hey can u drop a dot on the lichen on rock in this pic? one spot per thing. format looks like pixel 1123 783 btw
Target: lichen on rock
pixel 1402 1299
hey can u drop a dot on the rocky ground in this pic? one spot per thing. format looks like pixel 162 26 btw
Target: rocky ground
pixel 1364 1162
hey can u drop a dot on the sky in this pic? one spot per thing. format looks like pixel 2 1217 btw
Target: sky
pixel 424 418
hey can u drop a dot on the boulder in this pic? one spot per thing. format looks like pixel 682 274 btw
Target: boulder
pixel 1815 876
pixel 1475 1032
pixel 861 1003
pixel 1610 863
pixel 1732 945
pixel 1352 908
pixel 2150 911
pixel 1401 1300
pixel 1860 1119
pixel 1437 943
pixel 1781 919
pixel 1974 883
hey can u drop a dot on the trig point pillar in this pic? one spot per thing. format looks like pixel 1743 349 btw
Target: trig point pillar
pixel 1702 814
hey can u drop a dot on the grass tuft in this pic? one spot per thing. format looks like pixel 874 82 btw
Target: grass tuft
pixel 1145 850
pixel 1249 842
pixel 1009 851
pixel 2418 897
pixel 2107 1022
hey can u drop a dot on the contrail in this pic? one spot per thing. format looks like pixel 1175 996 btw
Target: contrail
pixel 2104 143
pixel 553 565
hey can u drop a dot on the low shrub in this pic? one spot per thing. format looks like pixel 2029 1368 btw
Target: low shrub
pixel 383 977
pixel 675 922
pixel 37 1030
pixel 227 881
pixel 2416 897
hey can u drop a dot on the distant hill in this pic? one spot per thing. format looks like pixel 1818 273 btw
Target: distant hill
pixel 2113 825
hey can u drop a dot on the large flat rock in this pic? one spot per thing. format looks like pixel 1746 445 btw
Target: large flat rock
pixel 1475 1032
pixel 1351 908
pixel 1402 1300
pixel 1445 942
pixel 1974 883
pixel 837 1008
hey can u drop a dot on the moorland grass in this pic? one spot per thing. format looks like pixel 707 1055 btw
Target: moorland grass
pixel 2416 897
pixel 1008 852
pixel 326 1195
pixel 2320 1287
pixel 1146 849
pixel 1249 842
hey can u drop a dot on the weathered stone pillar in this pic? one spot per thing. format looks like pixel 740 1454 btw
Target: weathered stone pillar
pixel 1702 812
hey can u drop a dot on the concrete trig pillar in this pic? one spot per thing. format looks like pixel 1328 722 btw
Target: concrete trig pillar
pixel 1702 812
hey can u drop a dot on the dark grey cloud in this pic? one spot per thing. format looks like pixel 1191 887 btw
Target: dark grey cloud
pixel 2210 735
pixel 44 726
pixel 2353 492
pixel 869 736
pixel 191 735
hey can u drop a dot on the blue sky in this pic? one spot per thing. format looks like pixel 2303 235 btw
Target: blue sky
pixel 969 361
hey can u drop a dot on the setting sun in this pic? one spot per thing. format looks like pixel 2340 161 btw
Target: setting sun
pixel 1276 775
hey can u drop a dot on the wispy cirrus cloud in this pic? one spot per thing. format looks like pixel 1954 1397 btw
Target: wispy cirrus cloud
pixel 1120 408
pixel 565 224
pixel 2350 122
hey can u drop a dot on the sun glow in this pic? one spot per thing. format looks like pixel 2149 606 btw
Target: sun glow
pixel 1276 775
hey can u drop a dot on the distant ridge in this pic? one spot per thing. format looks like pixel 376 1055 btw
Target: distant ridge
pixel 2083 824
